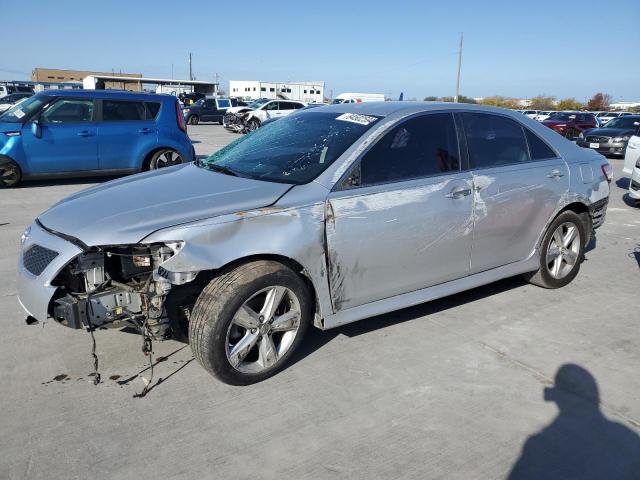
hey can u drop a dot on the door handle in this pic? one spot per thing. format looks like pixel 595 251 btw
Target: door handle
pixel 458 193
pixel 144 130
pixel 555 174
pixel 83 133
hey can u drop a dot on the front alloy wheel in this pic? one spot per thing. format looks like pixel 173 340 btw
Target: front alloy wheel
pixel 263 329
pixel 248 321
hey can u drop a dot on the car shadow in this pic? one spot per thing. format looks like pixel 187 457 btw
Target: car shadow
pixel 580 442
pixel 315 339
pixel 623 182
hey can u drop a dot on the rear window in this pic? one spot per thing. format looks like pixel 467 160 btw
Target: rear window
pixel 152 110
pixel 537 148
pixel 224 103
pixel 118 111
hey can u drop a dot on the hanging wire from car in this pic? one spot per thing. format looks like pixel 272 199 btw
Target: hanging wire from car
pixel 147 350
pixel 90 329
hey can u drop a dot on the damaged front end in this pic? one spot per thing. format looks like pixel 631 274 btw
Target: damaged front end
pixel 119 286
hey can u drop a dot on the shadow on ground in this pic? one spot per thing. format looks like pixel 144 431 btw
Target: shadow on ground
pixel 580 443
pixel 316 339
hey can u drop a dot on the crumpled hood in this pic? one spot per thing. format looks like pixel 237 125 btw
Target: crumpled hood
pixel 126 210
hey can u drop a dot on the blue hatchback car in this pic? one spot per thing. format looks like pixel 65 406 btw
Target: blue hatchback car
pixel 91 132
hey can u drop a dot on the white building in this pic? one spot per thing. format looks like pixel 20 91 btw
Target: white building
pixel 624 105
pixel 309 92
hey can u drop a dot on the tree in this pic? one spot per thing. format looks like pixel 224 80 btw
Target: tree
pixel 431 99
pixel 600 101
pixel 543 102
pixel 569 104
pixel 461 99
pixel 499 101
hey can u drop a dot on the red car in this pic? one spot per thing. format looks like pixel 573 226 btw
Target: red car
pixel 570 124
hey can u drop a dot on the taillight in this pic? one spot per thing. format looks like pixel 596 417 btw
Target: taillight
pixel 607 169
pixel 180 118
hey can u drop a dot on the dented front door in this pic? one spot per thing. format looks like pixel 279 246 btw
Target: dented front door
pixel 396 238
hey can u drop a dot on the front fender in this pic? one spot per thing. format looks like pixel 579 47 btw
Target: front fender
pixel 295 233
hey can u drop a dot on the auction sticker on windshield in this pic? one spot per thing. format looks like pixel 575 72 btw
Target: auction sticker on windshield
pixel 356 118
pixel 19 113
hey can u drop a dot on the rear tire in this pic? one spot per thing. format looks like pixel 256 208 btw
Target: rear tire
pixel 561 252
pixel 230 331
pixel 10 174
pixel 193 120
pixel 164 158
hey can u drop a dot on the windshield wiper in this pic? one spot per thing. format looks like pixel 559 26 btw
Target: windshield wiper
pixel 222 169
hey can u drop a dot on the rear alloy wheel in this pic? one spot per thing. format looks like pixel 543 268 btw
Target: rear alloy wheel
pixel 10 174
pixel 193 120
pixel 561 252
pixel 164 158
pixel 248 321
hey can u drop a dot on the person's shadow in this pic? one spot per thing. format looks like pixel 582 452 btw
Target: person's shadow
pixel 580 443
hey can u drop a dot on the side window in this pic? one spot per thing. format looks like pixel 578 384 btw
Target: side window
pixel 538 149
pixel 68 110
pixel 272 106
pixel 210 104
pixel 493 140
pixel 419 147
pixel 152 110
pixel 117 111
pixel 297 105
pixel 287 106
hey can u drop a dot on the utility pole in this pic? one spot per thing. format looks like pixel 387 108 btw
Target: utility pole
pixel 455 99
pixel 190 69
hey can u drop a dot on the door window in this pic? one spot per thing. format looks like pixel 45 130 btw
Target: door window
pixel 118 111
pixel 272 106
pixel 419 147
pixel 494 140
pixel 68 110
pixel 538 149
pixel 152 110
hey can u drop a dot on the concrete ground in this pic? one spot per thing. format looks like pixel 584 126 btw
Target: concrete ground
pixel 450 389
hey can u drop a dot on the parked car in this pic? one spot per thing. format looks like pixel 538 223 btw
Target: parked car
pixel 570 124
pixel 606 116
pixel 8 89
pixel 543 115
pixel 632 154
pixel 250 118
pixel 358 98
pixel 91 132
pixel 611 139
pixel 307 107
pixel 634 183
pixel 10 100
pixel 531 113
pixel 206 110
pixel 328 216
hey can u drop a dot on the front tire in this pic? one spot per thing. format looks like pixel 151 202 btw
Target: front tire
pixel 253 125
pixel 164 158
pixel 248 321
pixel 561 251
pixel 10 174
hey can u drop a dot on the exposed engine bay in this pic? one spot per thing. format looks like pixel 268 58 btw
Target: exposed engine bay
pixel 118 286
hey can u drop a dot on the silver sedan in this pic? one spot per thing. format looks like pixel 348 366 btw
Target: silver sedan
pixel 325 217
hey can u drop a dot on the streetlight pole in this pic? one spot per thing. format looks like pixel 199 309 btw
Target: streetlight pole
pixel 459 68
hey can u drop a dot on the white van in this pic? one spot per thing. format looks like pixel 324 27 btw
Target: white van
pixel 7 89
pixel 358 98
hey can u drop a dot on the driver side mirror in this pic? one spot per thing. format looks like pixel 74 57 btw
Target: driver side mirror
pixel 36 128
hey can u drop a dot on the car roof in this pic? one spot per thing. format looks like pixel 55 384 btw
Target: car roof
pixel 107 93
pixel 383 109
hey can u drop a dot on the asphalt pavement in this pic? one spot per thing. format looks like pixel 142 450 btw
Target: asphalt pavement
pixel 451 389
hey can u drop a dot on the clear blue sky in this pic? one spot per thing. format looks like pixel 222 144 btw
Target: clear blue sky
pixel 514 48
